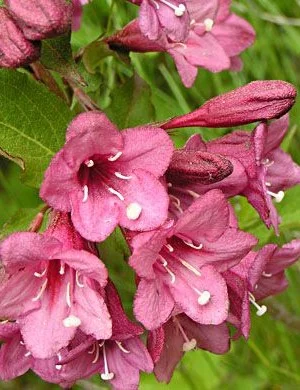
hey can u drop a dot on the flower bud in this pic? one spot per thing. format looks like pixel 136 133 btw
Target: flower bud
pixel 256 101
pixel 15 49
pixel 189 166
pixel 40 19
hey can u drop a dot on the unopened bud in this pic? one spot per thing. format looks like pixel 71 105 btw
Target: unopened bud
pixel 15 49
pixel 256 101
pixel 189 166
pixel 40 19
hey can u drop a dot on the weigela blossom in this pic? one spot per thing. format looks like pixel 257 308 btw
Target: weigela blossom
pixel 15 49
pixel 260 167
pixel 52 287
pixel 105 177
pixel 215 39
pixel 180 264
pixel 163 18
pixel 259 275
pixel 41 19
pixel 180 334
pixel 77 13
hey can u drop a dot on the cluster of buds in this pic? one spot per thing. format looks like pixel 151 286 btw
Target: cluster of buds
pixel 196 271
pixel 23 24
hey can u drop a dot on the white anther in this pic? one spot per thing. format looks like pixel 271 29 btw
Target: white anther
pixel 42 289
pixel 115 157
pixel 190 244
pixel 268 184
pixel 40 275
pixel 62 269
pixel 170 185
pixel 178 10
pixel 193 21
pixel 68 294
pixel 106 376
pixel 119 344
pixel 208 24
pixel 71 322
pixel 193 194
pixel 27 354
pixel 277 196
pixel 97 353
pixel 89 163
pixel 169 247
pixel 261 310
pixel 189 345
pixel 22 342
pixel 58 366
pixel 266 162
pixel 85 190
pixel 120 176
pixel 133 211
pixel 267 275
pixel 190 267
pixel 204 298
pixel 112 191
pixel 77 280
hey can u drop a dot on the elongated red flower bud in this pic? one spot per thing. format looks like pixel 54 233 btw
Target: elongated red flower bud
pixel 256 101
pixel 188 166
pixel 40 19
pixel 15 49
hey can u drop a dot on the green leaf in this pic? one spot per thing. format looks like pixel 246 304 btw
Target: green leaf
pixel 57 55
pixel 32 124
pixel 131 104
pixel 20 221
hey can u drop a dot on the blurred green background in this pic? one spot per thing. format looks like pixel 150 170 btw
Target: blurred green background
pixel 271 358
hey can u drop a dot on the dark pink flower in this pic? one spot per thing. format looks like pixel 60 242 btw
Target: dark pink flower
pixel 40 19
pixel 15 49
pixel 180 334
pixel 106 177
pixel 180 264
pixel 163 18
pixel 53 286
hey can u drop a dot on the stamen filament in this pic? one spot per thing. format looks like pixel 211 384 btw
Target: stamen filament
pixel 278 196
pixel 190 267
pixel 97 353
pixel 40 275
pixel 77 280
pixel 119 344
pixel 115 157
pixel 112 191
pixel 106 376
pixel 190 244
pixel 68 294
pixel 261 310
pixel 62 268
pixel 120 176
pixel 40 293
pixel 178 10
pixel 85 193
pixel 188 345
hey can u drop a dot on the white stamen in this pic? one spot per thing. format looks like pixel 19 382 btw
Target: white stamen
pixel 62 268
pixel 193 194
pixel 190 244
pixel 92 350
pixel 106 376
pixel 58 366
pixel 156 4
pixel 89 163
pixel 190 267
pixel 208 24
pixel 278 196
pixel 189 345
pixel 133 211
pixel 85 190
pixel 165 265
pixel 68 294
pixel 261 310
pixel 112 191
pixel 204 298
pixel 22 342
pixel 40 275
pixel 115 157
pixel 193 21
pixel 77 280
pixel 176 203
pixel 27 354
pixel 170 185
pixel 40 293
pixel 119 344
pixel 5 322
pixel 120 176
pixel 267 162
pixel 169 247
pixel 268 184
pixel 71 322
pixel 97 353
pixel 267 275
pixel 178 10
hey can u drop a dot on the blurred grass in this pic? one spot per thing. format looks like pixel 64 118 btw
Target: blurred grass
pixel 270 360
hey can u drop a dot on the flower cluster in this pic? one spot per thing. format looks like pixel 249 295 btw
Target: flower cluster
pixel 196 271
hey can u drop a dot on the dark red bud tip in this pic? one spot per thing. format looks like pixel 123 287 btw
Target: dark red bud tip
pixel 40 19
pixel 256 101
pixel 15 49
pixel 197 167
